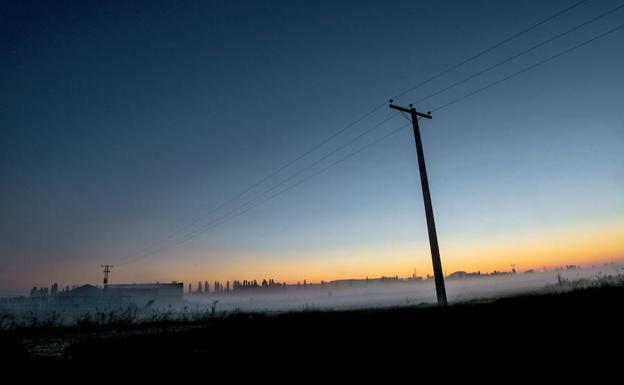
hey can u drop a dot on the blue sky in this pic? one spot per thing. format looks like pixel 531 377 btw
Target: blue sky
pixel 122 123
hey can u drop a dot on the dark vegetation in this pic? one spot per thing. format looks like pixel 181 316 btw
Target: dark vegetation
pixel 582 323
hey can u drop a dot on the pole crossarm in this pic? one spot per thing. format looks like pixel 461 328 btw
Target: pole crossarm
pixel 409 110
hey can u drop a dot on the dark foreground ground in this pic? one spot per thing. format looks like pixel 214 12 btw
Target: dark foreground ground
pixel 583 327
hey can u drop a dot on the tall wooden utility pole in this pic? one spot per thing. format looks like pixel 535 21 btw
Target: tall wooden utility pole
pixel 438 273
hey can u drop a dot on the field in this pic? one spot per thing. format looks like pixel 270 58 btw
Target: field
pixel 581 322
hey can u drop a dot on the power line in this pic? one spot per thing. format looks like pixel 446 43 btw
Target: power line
pixel 564 52
pixel 327 155
pixel 264 179
pixel 225 219
pixel 542 43
pixel 353 123
pixel 229 218
pixel 333 164
pixel 500 43
pixel 334 151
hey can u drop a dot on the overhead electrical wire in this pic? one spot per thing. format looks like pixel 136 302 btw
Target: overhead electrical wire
pixel 327 155
pixel 345 128
pixel 301 171
pixel 489 49
pixel 523 52
pixel 230 217
pixel 322 170
pixel 541 62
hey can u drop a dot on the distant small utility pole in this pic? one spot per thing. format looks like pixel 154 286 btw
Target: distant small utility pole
pixel 433 237
pixel 106 271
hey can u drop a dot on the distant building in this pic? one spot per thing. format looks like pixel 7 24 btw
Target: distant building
pixel 463 274
pixel 143 293
pixel 84 296
pixel 495 273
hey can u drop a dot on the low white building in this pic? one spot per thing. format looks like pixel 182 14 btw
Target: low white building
pixel 147 293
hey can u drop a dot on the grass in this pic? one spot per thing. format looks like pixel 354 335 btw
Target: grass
pixel 598 281
pixel 578 316
pixel 130 315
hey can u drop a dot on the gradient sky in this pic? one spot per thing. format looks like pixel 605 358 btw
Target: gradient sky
pixel 122 123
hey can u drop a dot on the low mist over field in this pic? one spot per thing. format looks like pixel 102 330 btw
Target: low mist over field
pixel 389 293
pixel 92 305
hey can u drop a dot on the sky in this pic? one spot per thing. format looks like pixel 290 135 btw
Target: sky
pixel 126 126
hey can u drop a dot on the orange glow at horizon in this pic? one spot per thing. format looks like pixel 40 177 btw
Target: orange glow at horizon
pixel 583 244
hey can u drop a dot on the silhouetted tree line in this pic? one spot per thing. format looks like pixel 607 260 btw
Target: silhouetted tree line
pixel 204 288
pixel 245 284
pixel 54 290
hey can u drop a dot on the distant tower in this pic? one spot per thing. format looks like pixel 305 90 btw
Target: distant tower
pixel 106 271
